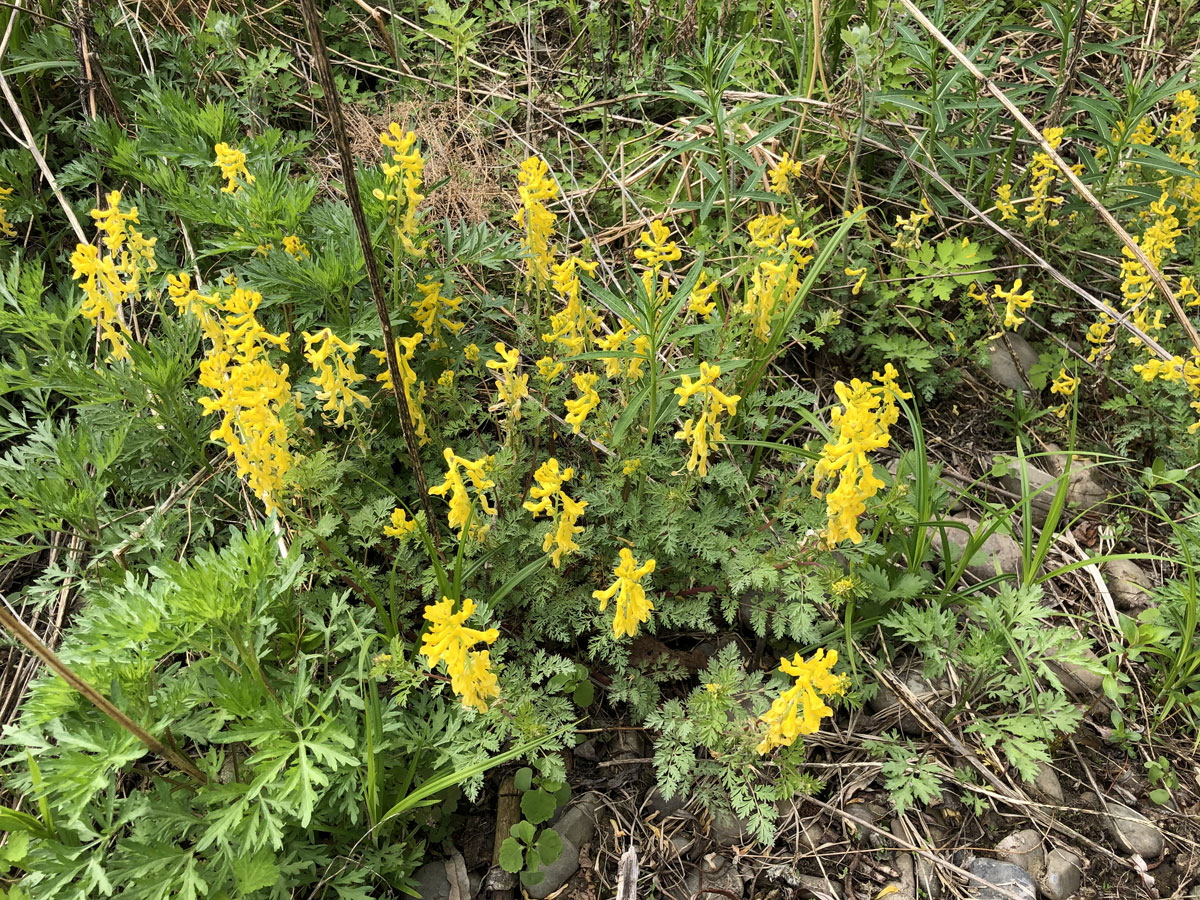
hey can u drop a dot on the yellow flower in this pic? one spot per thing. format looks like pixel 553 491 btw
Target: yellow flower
pixel 248 391
pixel 781 174
pixel 843 586
pixel 401 195
pixel 860 426
pixel 576 324
pixel 1042 172
pixel 775 280
pixel 548 368
pixel 6 227
pixel 446 379
pixel 110 279
pixel 704 430
pixel 333 360
pixel 1008 209
pixel 406 347
pixel 461 508
pixel 550 500
pixel 581 407
pixel 700 300
pixel 401 524
pixel 859 273
pixel 295 247
pixel 800 709
pixel 471 352
pixel 432 313
pixel 657 249
pixel 535 187
pixel 629 466
pixel 233 166
pixel 1013 300
pixel 632 607
pixel 1064 385
pixel 512 387
pixel 449 641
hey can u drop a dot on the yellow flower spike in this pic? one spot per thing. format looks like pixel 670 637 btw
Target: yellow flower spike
pixel 632 605
pixel 6 227
pixel 581 407
pixel 800 709
pixel 333 360
pixel 1004 204
pixel 1064 385
pixel 110 279
pixel 295 248
pixel 232 164
pixel 449 641
pixel 446 379
pixel 700 300
pixel 403 177
pixel 471 352
pixel 433 311
pixel 536 187
pixel 548 368
pixel 779 178
pixel 860 427
pixel 1013 300
pixel 704 430
pixel 406 348
pixel 401 525
pixel 775 280
pixel 247 391
pixel 513 388
pixel 550 500
pixel 657 250
pixel 576 324
pixel 859 273
pixel 461 508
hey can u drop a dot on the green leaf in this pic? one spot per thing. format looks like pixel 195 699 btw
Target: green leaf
pixel 255 872
pixel 585 693
pixel 523 831
pixel 512 856
pixel 523 778
pixel 537 806
pixel 550 846
pixel 529 879
pixel 1158 796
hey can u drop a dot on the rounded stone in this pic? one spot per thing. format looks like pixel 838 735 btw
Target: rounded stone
pixel 1063 875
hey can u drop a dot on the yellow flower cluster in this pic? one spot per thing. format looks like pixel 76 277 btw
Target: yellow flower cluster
pixel 333 360
pixel 908 230
pixel 1004 203
pixel 449 641
pixel 1042 172
pixel 581 407
pixel 432 312
pixel 549 368
pixel 295 248
pixel 860 426
pixel 627 367
pixel 401 525
pixel 406 347
pixel 632 606
pixel 536 187
pixel 111 278
pixel 248 391
pixel 800 709
pixel 861 274
pixel 551 500
pixel 704 430
pixel 576 324
pixel 700 300
pixel 1065 386
pixel 656 252
pixel 775 280
pixel 232 163
pixel 461 509
pixel 401 194
pixel 1014 300
pixel 513 388
pixel 782 173
pixel 6 227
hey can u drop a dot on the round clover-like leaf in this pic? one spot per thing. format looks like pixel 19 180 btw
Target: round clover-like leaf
pixel 549 846
pixel 512 856
pixel 537 806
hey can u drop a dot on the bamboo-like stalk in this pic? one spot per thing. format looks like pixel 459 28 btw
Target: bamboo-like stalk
pixel 333 104
pixel 1076 182
pixel 26 635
